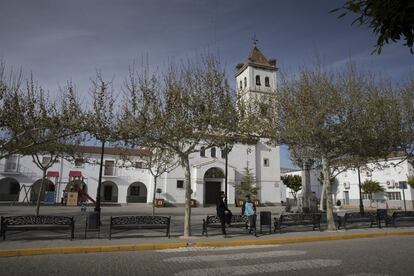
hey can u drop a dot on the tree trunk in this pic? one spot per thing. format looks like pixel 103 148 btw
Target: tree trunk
pixel 153 196
pixel 306 186
pixel 39 196
pixel 322 199
pixel 188 192
pixel 329 200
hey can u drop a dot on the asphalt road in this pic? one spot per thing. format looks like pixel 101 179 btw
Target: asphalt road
pixel 364 257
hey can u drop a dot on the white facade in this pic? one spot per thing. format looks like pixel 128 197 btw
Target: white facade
pixel 388 173
pixel 123 182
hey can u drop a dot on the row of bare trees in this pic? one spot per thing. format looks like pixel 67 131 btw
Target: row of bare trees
pixel 334 120
pixel 345 119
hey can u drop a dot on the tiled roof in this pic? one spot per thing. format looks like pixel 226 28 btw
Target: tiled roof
pixel 114 151
pixel 256 59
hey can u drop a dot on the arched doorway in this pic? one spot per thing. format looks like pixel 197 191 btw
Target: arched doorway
pixel 109 192
pixel 9 189
pixel 34 191
pixel 137 192
pixel 76 185
pixel 212 183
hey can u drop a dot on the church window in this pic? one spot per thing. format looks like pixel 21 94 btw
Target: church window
pixel 203 152
pixel 241 85
pixel 267 82
pixel 223 153
pixel 213 152
pixel 258 80
pixel 245 81
pixel 266 162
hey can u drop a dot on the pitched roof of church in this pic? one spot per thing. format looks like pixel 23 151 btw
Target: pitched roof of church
pixel 256 59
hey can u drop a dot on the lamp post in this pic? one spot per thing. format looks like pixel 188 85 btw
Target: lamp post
pixel 98 194
pixel 227 149
pixel 361 203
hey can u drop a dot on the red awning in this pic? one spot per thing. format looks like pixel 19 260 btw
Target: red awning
pixel 53 174
pixel 75 174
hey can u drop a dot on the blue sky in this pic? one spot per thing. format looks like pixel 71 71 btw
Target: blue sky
pixel 60 40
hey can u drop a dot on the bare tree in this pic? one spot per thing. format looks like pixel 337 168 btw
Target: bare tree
pixel 332 113
pixel 189 106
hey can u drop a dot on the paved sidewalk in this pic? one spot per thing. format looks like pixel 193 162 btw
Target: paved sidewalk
pixel 45 242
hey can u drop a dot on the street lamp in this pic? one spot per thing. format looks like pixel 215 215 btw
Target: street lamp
pixel 227 149
pixel 361 203
pixel 98 194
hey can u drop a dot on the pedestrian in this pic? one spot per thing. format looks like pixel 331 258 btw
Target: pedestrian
pixel 223 212
pixel 249 210
pixel 65 197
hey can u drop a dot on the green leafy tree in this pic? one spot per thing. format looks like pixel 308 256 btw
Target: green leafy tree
pixel 248 185
pixel 294 183
pixel 372 187
pixel 390 20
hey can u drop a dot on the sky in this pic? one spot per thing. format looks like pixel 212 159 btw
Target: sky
pixel 61 40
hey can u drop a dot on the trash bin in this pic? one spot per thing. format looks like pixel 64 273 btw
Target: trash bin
pixel 92 223
pixel 266 219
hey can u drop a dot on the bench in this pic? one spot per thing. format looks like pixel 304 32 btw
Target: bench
pixel 356 217
pixel 32 222
pixel 297 219
pixel 399 216
pixel 214 222
pixel 126 223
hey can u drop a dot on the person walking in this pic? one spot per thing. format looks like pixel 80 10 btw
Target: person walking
pixel 249 210
pixel 223 212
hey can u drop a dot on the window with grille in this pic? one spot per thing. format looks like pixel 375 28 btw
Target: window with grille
pixel 394 195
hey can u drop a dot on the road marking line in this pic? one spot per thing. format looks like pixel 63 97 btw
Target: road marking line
pixel 261 268
pixel 367 274
pixel 230 257
pixel 216 248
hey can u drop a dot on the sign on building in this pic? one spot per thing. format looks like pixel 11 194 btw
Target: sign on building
pixel 72 199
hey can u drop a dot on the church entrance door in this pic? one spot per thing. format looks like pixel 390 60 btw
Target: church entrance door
pixel 212 192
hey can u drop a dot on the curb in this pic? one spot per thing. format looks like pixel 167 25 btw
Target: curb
pixel 160 246
pixel 88 249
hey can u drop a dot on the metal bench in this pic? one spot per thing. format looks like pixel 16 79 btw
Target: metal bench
pixel 399 216
pixel 356 217
pixel 32 222
pixel 126 223
pixel 214 222
pixel 297 220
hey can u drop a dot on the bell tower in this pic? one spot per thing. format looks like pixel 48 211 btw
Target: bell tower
pixel 256 77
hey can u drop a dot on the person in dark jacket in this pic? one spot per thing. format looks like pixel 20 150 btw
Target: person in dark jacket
pixel 223 212
pixel 249 210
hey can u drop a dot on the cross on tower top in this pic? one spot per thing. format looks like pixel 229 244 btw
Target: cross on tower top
pixel 255 40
